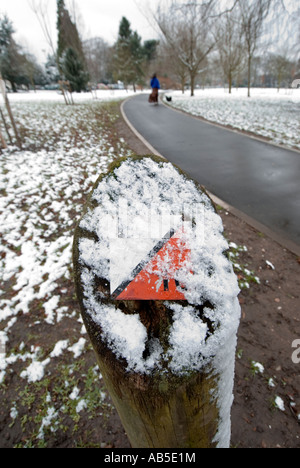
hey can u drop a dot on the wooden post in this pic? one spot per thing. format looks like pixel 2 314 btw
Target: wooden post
pixel 161 310
pixel 67 92
pixel 6 126
pixel 69 88
pixel 61 84
pixel 3 143
pixel 7 104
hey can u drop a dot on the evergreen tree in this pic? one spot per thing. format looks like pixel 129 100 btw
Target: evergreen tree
pixel 128 57
pixel 15 66
pixel 51 70
pixel 150 55
pixel 6 32
pixel 150 49
pixel 70 55
pixel 74 71
pixel 61 43
pixel 68 35
pixel 124 29
pixel 9 55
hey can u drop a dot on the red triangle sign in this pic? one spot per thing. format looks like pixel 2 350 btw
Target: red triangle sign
pixel 154 279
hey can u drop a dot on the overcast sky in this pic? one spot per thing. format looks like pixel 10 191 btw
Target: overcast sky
pixel 97 18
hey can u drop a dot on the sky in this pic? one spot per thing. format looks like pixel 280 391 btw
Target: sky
pixel 96 18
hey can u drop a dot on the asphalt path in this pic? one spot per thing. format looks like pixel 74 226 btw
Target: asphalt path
pixel 259 179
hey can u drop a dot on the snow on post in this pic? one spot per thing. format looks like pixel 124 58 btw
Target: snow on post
pixel 160 302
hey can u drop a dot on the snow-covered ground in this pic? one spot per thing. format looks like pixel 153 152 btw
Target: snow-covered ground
pixel 268 113
pixel 43 188
pixel 56 96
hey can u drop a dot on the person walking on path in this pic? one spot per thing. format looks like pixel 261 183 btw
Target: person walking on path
pixel 155 85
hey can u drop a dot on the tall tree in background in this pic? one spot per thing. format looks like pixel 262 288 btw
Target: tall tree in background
pixel 230 44
pixel 280 67
pixel 74 71
pixel 253 15
pixel 150 48
pixel 128 55
pixel 68 35
pixel 70 55
pixel 16 67
pixel 98 57
pixel 10 57
pixel 138 58
pixel 186 27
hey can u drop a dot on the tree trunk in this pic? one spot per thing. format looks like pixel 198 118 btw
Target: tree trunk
pixel 192 84
pixel 6 127
pixel 230 81
pixel 249 75
pixel 279 82
pixel 182 84
pixel 3 143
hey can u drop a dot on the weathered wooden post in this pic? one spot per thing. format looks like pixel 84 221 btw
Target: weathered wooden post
pixel 159 300
pixel 7 104
pixel 2 141
pixel 6 126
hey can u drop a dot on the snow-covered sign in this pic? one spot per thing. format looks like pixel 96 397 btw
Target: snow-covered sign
pixel 157 291
pixel 156 276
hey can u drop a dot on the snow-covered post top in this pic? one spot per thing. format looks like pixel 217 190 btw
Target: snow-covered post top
pixel 159 299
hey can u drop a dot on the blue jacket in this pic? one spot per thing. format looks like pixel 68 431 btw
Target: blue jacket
pixel 155 83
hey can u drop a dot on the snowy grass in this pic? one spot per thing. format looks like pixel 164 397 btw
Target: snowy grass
pixel 42 196
pixel 268 113
pixel 48 378
pixel 56 96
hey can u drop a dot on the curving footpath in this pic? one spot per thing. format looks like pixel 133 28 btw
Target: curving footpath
pixel 260 180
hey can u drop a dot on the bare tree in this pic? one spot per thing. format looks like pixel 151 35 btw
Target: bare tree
pixel 98 57
pixel 187 29
pixel 230 44
pixel 253 15
pixel 40 8
pixel 3 142
pixel 281 67
pixel 180 71
pixel 168 59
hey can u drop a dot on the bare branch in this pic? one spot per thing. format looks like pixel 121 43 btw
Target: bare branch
pixel 187 30
pixel 40 8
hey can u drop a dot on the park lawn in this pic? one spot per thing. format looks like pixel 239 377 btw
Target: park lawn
pixel 267 113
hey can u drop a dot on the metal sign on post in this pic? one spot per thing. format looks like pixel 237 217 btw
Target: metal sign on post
pixel 159 299
pixel 154 278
